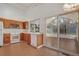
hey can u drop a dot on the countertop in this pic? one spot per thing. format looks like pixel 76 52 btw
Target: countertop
pixel 21 32
pixel 34 33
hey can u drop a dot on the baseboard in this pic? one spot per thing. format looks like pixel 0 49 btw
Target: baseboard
pixel 6 44
pixel 39 46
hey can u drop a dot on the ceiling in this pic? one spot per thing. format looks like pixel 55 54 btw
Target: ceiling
pixel 24 6
pixel 39 9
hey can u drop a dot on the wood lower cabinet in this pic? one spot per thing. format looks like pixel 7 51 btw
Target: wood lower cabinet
pixel 22 37
pixel 6 38
pixel 39 39
pixel 36 40
pixel 28 37
pixel 25 38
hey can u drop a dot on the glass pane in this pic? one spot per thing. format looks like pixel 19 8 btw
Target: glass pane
pixel 52 30
pixel 35 25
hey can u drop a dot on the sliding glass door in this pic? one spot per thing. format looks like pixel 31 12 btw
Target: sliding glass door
pixel 62 33
pixel 68 33
pixel 51 33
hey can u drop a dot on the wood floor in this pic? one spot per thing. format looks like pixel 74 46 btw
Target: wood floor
pixel 22 49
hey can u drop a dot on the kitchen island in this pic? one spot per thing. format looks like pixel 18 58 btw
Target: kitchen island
pixel 37 39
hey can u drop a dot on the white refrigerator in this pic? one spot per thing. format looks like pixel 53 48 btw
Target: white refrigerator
pixel 1 33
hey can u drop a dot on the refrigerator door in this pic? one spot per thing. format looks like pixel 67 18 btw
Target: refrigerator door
pixel 1 33
pixel 1 40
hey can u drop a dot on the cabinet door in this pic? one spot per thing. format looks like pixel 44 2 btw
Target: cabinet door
pixel 25 25
pixel 22 37
pixel 25 37
pixel 28 36
pixel 39 39
pixel 6 38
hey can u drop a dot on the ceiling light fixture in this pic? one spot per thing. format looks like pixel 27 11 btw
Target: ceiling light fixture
pixel 70 6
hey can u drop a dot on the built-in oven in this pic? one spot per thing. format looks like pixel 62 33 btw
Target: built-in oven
pixel 15 38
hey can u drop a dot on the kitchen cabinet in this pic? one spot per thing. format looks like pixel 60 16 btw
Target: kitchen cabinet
pixel 14 24
pixel 28 39
pixel 8 24
pixel 6 39
pixel 25 37
pixel 22 37
pixel 37 40
pixel 25 25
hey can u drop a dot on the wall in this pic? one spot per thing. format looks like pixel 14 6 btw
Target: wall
pixel 10 12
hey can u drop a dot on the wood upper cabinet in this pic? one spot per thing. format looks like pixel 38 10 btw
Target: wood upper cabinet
pixel 25 37
pixel 39 39
pixel 6 23
pixel 14 24
pixel 6 38
pixel 25 25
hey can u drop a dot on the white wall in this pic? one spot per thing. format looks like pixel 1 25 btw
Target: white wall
pixel 10 12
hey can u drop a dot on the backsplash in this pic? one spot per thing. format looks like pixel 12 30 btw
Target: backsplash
pixel 16 31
